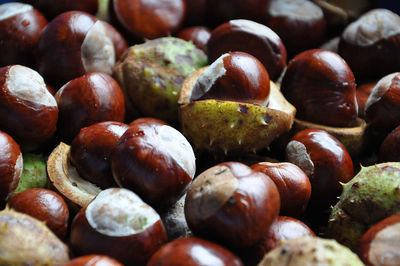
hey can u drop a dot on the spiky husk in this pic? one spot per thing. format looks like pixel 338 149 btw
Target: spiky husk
pixel 372 195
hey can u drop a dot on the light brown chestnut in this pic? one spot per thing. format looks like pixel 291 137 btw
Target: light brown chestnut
pixel 232 204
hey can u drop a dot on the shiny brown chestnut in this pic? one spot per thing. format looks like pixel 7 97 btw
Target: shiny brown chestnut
pixel 199 35
pixel 234 76
pixel 232 204
pixel 73 44
pixel 293 185
pixel 389 150
pixel 91 98
pixel 193 251
pixel 146 19
pixel 44 205
pixel 362 93
pixel 370 45
pixel 380 244
pixel 325 161
pixel 250 37
pixel 91 150
pixel 28 112
pixel 155 161
pixel 20 28
pixel 117 223
pixel 51 10
pixel 283 228
pixel 11 165
pixel 292 20
pixel 382 109
pixel 93 260
pixel 322 87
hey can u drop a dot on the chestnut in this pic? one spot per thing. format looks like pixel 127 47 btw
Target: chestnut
pixel 389 150
pixel 11 165
pixel 117 223
pixel 362 93
pixel 73 44
pixel 120 43
pixel 250 37
pixel 44 205
pixel 382 109
pixel 146 19
pixel 28 112
pixel 20 28
pixel 282 229
pixel 232 204
pixel 193 251
pixel 370 45
pixel 91 150
pixel 320 82
pixel 155 161
pixel 51 10
pixel 380 244
pixel 325 161
pixel 293 185
pixel 199 35
pixel 294 19
pixel 93 260
pixel 234 76
pixel 88 99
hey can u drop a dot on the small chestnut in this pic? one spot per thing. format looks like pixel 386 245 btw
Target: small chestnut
pixel 389 150
pixel 232 204
pixel 150 19
pixel 363 91
pixel 11 165
pixel 91 150
pixel 197 34
pixel 193 251
pixel 380 244
pixel 91 98
pixel 20 28
pixel 73 44
pixel 293 185
pixel 28 112
pixel 292 20
pixel 234 76
pixel 155 161
pixel 117 223
pixel 44 205
pixel 322 87
pixel 325 161
pixel 93 260
pixel 250 37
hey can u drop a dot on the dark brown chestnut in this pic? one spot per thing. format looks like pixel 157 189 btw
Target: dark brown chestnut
pixel 11 165
pixel 155 161
pixel 91 150
pixel 362 92
pixel 91 98
pixel 380 244
pixel 283 228
pixel 370 45
pixel 28 112
pixel 199 35
pixel 293 185
pixel 234 76
pixel 120 43
pixel 232 204
pixel 20 29
pixel 322 87
pixel 292 20
pixel 193 251
pixel 51 10
pixel 44 205
pixel 389 150
pixel 150 19
pixel 93 260
pixel 250 37
pixel 382 109
pixel 117 223
pixel 325 161
pixel 73 44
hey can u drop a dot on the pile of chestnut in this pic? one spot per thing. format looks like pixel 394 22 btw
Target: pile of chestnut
pixel 296 95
